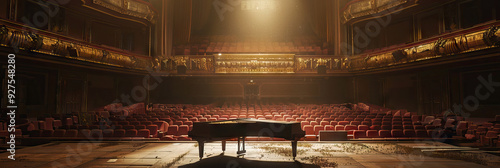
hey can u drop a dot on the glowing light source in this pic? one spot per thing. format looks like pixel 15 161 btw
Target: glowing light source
pixel 258 5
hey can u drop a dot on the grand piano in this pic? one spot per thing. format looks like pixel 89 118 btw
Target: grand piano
pixel 241 128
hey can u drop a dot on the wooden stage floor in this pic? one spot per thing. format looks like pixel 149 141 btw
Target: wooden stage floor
pixel 259 154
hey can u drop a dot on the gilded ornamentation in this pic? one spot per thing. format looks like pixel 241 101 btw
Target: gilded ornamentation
pixel 474 41
pixel 370 7
pixel 52 46
pixel 128 7
pixel 254 63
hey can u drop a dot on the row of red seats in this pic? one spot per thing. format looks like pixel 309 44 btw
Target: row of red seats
pixel 91 133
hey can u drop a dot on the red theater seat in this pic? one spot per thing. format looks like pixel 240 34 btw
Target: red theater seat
pixel 303 123
pixel 153 129
pixel 491 138
pixel 339 128
pixel 318 128
pixel 143 133
pixel 172 130
pixel 359 134
pixel 421 133
pixel 350 129
pixel 409 133
pixel 363 127
pixel 309 129
pixel 418 127
pixel 188 123
pixel 430 127
pixel 355 123
pixel 47 133
pixel 183 130
pixel 178 123
pixel 384 133
pixel 146 122
pixel 71 133
pixel 397 133
pixel 329 127
pixel 84 133
pixel 310 135
pixel 366 123
pixel 343 122
pixel 59 133
pixel 119 133
pixel 462 128
pixel 375 127
pixel 399 127
pixel 408 127
pixel 372 133
pixel 386 127
pixel 96 134
pixel 126 127
pixel 108 133
pixel 131 133
pixel 123 122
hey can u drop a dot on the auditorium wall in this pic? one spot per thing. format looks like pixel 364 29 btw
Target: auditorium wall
pixel 207 89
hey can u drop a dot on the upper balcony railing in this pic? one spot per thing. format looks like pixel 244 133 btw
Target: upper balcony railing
pixel 51 44
pixel 446 45
pixel 135 8
pixel 256 64
pixel 363 8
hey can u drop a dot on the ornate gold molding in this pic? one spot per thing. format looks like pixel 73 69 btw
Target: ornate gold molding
pixel 363 8
pixel 44 44
pixel 478 40
pixel 128 7
pixel 255 64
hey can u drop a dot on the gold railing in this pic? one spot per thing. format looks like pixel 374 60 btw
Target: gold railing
pixel 480 39
pixel 133 8
pixel 28 40
pixel 362 8
pixel 310 63
pixel 255 64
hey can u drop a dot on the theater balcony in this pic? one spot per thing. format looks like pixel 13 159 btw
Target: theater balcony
pixel 405 34
pixel 96 34
pixel 256 64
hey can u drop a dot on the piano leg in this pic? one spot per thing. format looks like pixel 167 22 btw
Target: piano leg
pixel 294 148
pixel 240 150
pixel 244 151
pixel 201 145
pixel 223 146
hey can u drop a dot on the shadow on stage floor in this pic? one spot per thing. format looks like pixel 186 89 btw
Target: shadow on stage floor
pixel 234 162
